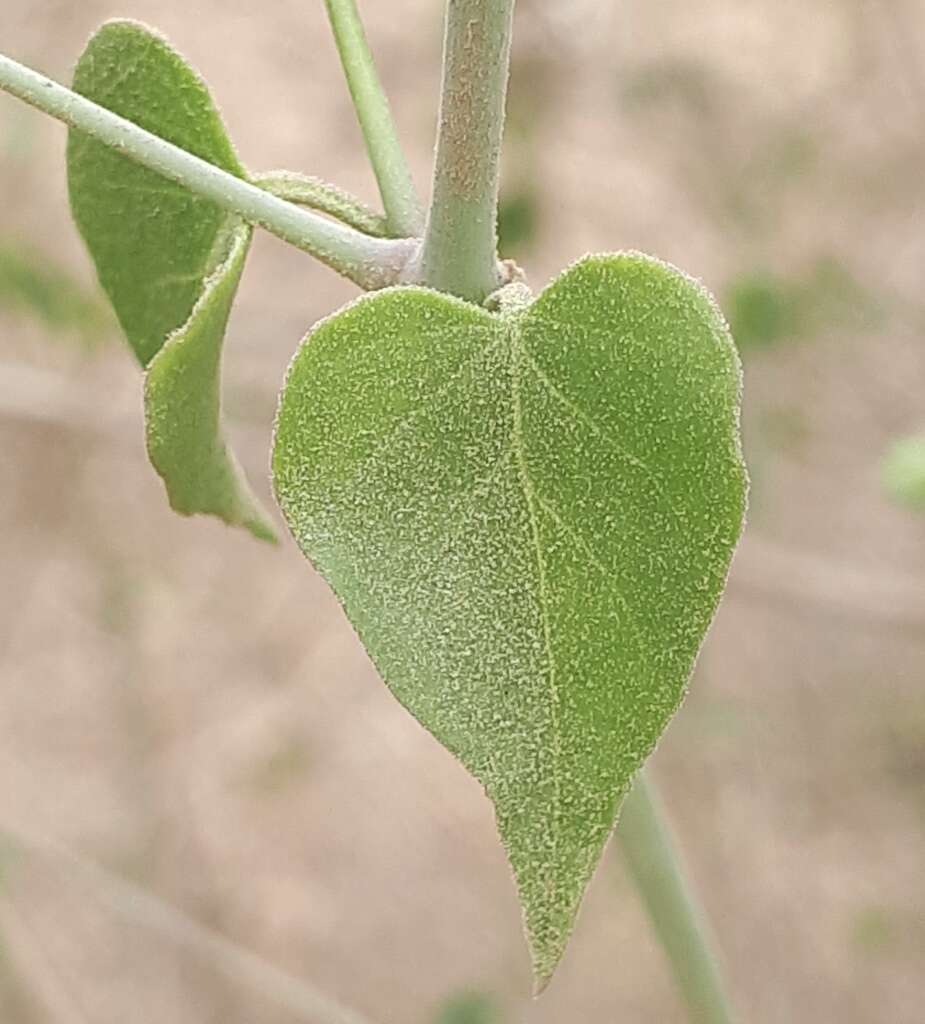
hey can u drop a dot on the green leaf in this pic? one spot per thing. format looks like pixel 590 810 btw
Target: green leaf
pixel 151 240
pixel 528 517
pixel 182 408
pixel 165 259
pixel 904 472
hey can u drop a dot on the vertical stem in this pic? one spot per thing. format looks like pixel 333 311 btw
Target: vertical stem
pixel 460 241
pixel 676 916
pixel 402 208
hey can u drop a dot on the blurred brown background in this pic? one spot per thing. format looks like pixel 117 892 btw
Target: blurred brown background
pixel 189 712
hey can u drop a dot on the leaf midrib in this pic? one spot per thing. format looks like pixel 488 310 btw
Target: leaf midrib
pixel 535 502
pixel 518 355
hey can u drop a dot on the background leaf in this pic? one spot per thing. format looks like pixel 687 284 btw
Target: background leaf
pixel 469 1008
pixel 170 262
pixel 904 472
pixel 32 285
pixel 529 519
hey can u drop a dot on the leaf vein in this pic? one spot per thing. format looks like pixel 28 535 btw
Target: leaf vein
pixel 560 327
pixel 529 494
pixel 550 509
pixel 403 424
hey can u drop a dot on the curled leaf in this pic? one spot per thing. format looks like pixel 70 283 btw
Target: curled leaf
pixel 528 517
pixel 152 241
pixel 185 441
pixel 305 190
pixel 163 255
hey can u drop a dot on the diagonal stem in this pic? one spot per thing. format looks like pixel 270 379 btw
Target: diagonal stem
pixel 402 208
pixel 370 262
pixel 461 240
pixel 677 918
pixel 29 960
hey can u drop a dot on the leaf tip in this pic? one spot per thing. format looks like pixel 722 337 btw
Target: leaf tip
pixel 542 976
pixel 547 948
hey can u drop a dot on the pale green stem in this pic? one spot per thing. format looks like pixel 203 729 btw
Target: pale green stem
pixel 677 918
pixel 370 262
pixel 461 240
pixel 402 208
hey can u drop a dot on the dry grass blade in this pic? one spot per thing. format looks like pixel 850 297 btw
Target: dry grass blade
pixel 134 903
pixel 30 962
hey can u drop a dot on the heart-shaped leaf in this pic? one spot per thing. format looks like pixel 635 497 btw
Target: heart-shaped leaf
pixel 528 517
pixel 159 250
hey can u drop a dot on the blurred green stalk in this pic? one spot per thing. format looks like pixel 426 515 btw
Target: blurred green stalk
pixel 678 920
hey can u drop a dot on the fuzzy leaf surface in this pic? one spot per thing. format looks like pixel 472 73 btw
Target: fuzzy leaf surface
pixel 162 256
pixel 528 517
